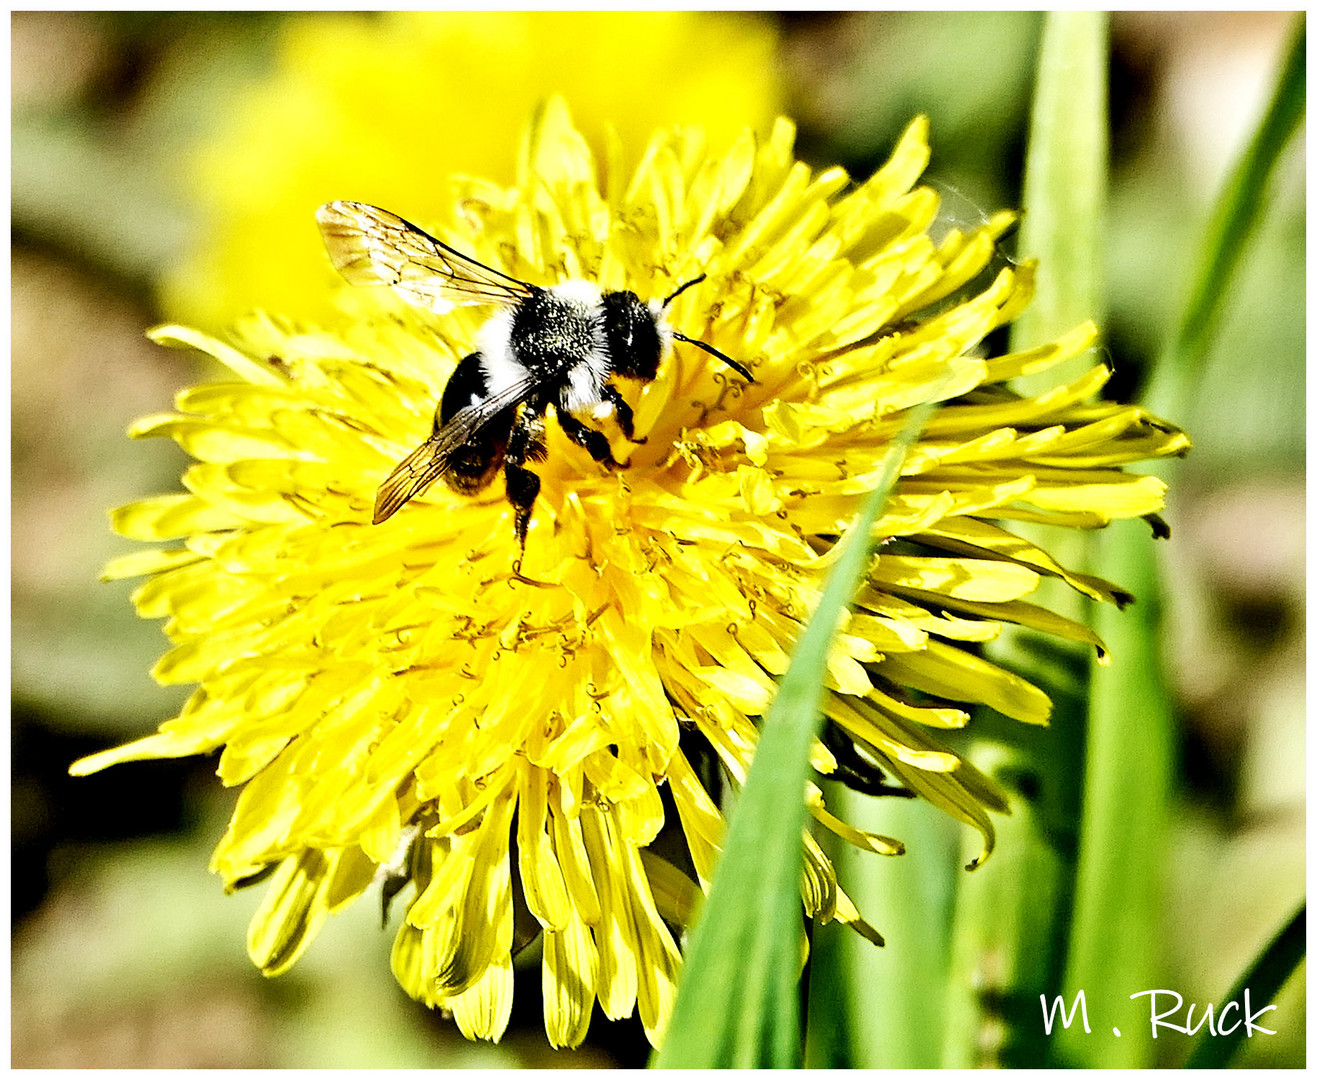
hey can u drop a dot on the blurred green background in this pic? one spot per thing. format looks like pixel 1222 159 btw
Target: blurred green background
pixel 126 953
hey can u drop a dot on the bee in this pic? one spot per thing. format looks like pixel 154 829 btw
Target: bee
pixel 558 345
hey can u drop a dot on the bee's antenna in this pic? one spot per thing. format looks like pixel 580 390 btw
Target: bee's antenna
pixel 743 372
pixel 693 281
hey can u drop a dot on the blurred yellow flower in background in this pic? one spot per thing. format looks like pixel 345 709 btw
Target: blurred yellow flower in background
pixel 509 732
pixel 384 108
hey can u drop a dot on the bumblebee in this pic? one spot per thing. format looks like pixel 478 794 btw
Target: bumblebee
pixel 558 345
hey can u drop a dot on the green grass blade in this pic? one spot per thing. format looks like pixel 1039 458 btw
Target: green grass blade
pixel 1127 761
pixel 1263 981
pixel 1127 794
pixel 1065 186
pixel 738 1005
pixel 1132 727
pixel 1012 915
pixel 1233 221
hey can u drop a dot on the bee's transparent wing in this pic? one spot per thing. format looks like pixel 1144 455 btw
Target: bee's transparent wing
pixel 370 246
pixel 429 461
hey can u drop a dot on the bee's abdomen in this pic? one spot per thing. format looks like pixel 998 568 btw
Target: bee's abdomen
pixel 477 462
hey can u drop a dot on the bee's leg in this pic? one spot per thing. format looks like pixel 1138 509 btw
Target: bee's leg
pixel 526 443
pixel 594 441
pixel 523 486
pixel 625 418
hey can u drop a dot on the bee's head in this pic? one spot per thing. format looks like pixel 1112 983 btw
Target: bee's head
pixel 636 335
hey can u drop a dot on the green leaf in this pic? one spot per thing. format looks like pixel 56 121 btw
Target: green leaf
pixel 738 1005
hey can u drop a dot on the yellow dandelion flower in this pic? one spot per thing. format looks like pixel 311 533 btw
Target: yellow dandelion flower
pixel 387 105
pixel 507 731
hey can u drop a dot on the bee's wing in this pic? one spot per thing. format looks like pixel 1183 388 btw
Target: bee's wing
pixel 370 246
pixel 429 461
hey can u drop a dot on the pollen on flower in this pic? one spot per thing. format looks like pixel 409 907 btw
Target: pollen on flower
pixel 429 687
